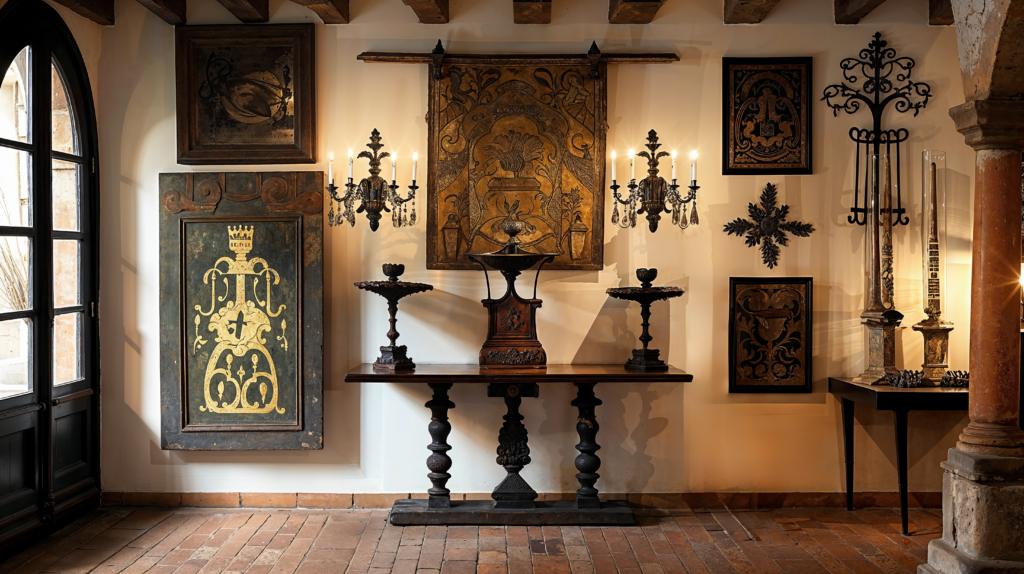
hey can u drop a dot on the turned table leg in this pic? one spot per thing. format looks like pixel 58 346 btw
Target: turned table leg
pixel 587 461
pixel 439 462
pixel 513 450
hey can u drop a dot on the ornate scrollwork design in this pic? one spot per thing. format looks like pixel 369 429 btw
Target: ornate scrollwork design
pixel 886 79
pixel 883 79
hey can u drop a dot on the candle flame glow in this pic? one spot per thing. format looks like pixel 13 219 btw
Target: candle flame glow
pixel 693 154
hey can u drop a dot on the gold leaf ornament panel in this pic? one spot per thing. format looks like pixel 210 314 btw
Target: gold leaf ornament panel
pixel 242 281
pixel 520 141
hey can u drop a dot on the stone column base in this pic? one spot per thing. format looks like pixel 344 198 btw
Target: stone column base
pixel 982 516
pixel 944 559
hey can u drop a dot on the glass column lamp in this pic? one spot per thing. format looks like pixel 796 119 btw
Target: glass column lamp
pixel 933 269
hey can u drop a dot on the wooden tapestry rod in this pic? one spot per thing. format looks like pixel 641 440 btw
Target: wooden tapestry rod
pixel 438 58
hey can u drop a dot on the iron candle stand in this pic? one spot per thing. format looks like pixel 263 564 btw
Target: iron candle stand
pixel 654 195
pixel 645 359
pixel 393 356
pixel 374 194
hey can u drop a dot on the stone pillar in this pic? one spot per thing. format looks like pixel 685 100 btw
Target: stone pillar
pixel 995 129
pixel 983 484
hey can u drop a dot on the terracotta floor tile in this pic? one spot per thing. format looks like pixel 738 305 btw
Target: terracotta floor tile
pixel 491 569
pixel 458 567
pixel 491 557
pixel 551 565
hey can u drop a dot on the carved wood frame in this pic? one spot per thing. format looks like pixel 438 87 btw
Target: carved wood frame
pixel 302 149
pixel 242 197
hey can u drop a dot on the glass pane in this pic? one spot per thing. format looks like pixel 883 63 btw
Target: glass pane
pixel 65 138
pixel 66 176
pixel 14 99
pixel 15 255
pixel 67 345
pixel 15 356
pixel 65 273
pixel 15 187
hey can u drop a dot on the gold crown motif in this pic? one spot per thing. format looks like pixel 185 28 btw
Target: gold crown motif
pixel 240 239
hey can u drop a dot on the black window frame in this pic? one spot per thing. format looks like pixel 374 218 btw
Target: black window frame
pixel 34 23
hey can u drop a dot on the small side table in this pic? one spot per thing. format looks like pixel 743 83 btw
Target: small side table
pixel 900 402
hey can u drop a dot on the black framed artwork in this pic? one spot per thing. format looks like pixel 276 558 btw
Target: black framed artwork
pixel 241 310
pixel 245 94
pixel 770 334
pixel 766 116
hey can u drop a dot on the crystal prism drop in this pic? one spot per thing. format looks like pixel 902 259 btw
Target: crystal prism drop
pixel 615 215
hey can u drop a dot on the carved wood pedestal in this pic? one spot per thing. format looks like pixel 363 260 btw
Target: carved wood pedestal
pixel 514 501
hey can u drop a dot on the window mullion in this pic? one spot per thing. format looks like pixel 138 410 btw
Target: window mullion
pixel 42 260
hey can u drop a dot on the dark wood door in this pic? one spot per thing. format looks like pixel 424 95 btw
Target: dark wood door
pixel 49 367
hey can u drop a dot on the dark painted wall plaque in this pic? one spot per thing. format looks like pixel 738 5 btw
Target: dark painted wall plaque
pixel 241 282
pixel 245 94
pixel 766 116
pixel 770 334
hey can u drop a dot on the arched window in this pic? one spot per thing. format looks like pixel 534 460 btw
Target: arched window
pixel 49 359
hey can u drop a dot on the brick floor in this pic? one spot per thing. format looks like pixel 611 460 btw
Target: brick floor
pixel 289 541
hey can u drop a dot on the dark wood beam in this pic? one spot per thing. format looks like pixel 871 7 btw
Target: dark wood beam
pixel 633 11
pixel 531 11
pixel 249 11
pixel 330 11
pixel 429 11
pixel 99 11
pixel 851 11
pixel 747 11
pixel 171 11
pixel 940 12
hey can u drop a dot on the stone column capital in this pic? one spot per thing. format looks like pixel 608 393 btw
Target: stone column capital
pixel 991 124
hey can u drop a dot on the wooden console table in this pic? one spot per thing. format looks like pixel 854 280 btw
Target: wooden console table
pixel 900 402
pixel 514 502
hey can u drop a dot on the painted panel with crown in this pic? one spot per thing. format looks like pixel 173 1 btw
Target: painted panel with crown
pixel 241 280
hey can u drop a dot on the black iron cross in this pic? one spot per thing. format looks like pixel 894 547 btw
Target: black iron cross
pixel 239 324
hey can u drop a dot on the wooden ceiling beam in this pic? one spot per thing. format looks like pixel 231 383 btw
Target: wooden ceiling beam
pixel 531 11
pixel 851 11
pixel 429 11
pixel 330 11
pixel 99 11
pixel 633 11
pixel 940 12
pixel 171 11
pixel 747 11
pixel 249 11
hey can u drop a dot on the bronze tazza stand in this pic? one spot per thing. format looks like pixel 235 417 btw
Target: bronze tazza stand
pixel 512 344
pixel 393 357
pixel 645 359
pixel 511 320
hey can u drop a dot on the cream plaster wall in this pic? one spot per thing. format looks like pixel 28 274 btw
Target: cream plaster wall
pixel 655 437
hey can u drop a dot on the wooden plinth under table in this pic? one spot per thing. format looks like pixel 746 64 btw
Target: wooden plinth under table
pixel 900 401
pixel 514 500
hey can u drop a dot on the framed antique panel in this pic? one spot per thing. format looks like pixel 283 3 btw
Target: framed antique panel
pixel 241 310
pixel 770 334
pixel 520 138
pixel 245 94
pixel 766 116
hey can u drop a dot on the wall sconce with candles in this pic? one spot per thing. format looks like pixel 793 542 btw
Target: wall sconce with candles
pixel 653 194
pixel 373 193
